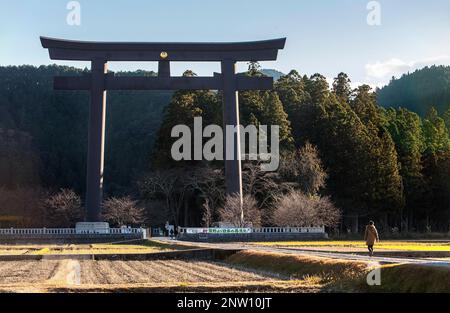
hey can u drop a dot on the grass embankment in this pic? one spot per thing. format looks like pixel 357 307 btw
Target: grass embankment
pixel 345 275
pixel 411 278
pixel 147 246
pixel 244 287
pixel 328 272
pixel 385 245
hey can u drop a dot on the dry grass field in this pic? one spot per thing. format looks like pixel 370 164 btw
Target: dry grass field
pixel 78 272
pixel 161 271
pixel 246 271
pixel 142 276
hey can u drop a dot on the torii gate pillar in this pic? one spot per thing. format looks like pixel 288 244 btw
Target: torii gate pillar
pixel 96 141
pixel 233 171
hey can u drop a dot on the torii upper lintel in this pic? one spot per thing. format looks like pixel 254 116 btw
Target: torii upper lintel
pixel 265 50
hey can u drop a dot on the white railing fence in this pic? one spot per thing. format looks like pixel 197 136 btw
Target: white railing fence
pixel 265 230
pixel 67 231
pixel 295 230
pixel 187 230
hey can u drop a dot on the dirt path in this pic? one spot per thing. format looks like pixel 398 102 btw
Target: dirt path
pixel 68 272
pixel 299 250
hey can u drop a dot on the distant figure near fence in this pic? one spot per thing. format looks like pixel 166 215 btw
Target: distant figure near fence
pixel 371 236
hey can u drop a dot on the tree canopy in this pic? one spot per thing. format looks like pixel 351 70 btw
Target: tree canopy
pixel 369 160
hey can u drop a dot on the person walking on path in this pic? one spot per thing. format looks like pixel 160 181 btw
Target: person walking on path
pixel 371 236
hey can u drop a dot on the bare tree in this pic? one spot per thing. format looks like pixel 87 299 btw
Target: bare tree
pixel 232 213
pixel 293 209
pixel 169 185
pixel 262 185
pixel 122 211
pixel 209 182
pixel 305 168
pixel 207 214
pixel 288 168
pixel 300 210
pixel 312 174
pixel 327 214
pixel 63 209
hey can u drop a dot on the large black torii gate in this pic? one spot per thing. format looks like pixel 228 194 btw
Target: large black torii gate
pixel 99 80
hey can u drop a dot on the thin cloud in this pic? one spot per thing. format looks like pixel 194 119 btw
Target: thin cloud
pixel 381 72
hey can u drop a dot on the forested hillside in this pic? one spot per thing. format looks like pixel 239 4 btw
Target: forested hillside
pixel 418 91
pixel 388 164
pixel 56 124
pixel 339 148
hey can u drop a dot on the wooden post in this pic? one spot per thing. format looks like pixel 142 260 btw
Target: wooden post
pixel 233 172
pixel 96 141
pixel 164 69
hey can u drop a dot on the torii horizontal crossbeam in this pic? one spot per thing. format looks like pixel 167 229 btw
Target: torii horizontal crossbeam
pixel 156 83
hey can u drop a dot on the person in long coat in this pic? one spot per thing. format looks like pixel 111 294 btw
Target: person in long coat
pixel 371 236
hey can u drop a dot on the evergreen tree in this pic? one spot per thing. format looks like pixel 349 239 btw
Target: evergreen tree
pixel 182 109
pixel 435 133
pixel 405 128
pixel 318 88
pixel 291 91
pixel 365 106
pixel 446 118
pixel 341 87
pixel 274 114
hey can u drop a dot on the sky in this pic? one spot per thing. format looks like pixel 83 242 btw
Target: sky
pixel 371 41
